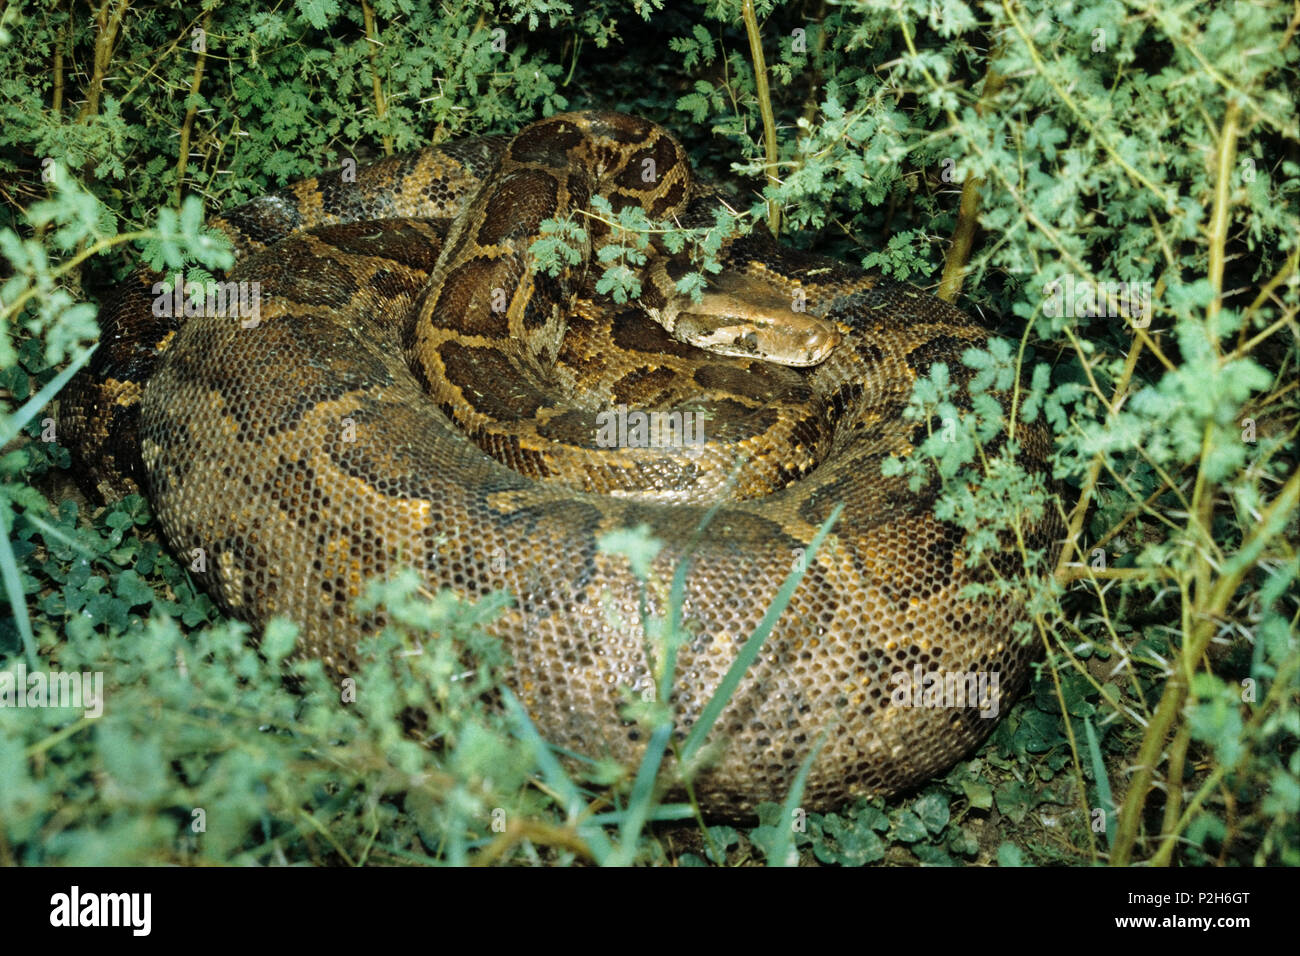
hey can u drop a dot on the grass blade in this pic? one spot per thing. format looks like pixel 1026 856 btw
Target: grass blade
pixel 780 852
pixel 555 777
pixel 1104 797
pixel 14 589
pixel 643 788
pixel 10 426
pixel 713 709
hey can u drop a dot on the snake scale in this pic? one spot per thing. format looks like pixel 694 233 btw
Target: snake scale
pixel 414 393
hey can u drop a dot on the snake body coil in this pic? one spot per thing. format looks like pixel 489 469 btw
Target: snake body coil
pixel 412 394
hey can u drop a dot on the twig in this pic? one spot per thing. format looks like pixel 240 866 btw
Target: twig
pixel 182 161
pixel 1206 619
pixel 765 109
pixel 381 102
pixel 107 21
pixel 1219 218
pixel 968 212
pixel 1075 526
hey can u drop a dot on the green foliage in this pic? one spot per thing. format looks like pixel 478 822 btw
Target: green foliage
pixel 204 755
pixel 926 830
pixel 1100 141
pixel 624 249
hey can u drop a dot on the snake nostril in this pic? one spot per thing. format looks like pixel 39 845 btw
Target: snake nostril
pixel 822 339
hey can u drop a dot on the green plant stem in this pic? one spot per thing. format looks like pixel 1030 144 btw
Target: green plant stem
pixel 381 102
pixel 1069 575
pixel 765 110
pixel 1245 347
pixel 1201 513
pixel 1080 511
pixel 1063 94
pixel 1219 219
pixel 108 19
pixel 968 212
pixel 183 158
pixel 1082 789
pixel 1170 833
pixel 1205 621
pixel 56 97
pixel 15 308
pixel 1174 777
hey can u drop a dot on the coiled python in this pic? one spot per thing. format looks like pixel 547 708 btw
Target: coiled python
pixel 410 392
